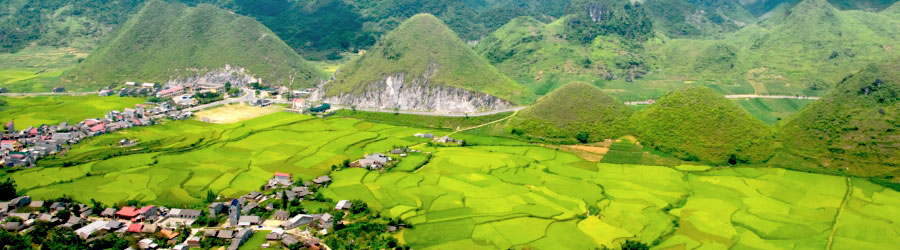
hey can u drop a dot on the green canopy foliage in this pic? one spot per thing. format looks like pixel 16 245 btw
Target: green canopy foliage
pixel 576 111
pixel 698 124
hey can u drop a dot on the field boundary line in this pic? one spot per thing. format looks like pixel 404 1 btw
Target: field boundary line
pixel 839 212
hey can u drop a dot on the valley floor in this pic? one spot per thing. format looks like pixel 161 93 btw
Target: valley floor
pixel 494 193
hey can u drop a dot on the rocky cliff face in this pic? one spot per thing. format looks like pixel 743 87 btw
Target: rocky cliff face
pixel 235 75
pixel 396 91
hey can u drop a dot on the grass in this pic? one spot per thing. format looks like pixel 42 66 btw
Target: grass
pixel 576 109
pixel 36 68
pixel 164 41
pixel 773 111
pixel 51 110
pixel 255 241
pixel 175 162
pixel 699 124
pixel 491 196
pixel 495 193
pixel 854 128
pixel 421 44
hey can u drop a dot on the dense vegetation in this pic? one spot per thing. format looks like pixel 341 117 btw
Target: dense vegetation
pixel 855 128
pixel 576 112
pixel 60 23
pixel 424 47
pixel 164 41
pixel 699 124
pixel 590 19
pixel 692 18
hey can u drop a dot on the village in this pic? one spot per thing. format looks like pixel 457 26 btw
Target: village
pixel 22 148
pixel 225 222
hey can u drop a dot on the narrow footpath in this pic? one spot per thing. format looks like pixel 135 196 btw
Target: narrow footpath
pixel 837 216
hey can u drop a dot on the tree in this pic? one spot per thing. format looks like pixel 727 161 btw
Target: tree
pixel 227 86
pixel 634 245
pixel 13 241
pixel 358 207
pixel 210 196
pixel 284 200
pixel 96 207
pixel 583 137
pixel 8 190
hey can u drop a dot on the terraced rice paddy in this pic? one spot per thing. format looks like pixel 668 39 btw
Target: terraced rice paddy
pixel 499 197
pixel 175 163
pixel 51 110
pixel 495 194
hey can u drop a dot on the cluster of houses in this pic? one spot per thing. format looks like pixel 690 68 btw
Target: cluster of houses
pixel 442 139
pixel 128 220
pixel 21 148
pixel 374 161
pixel 287 228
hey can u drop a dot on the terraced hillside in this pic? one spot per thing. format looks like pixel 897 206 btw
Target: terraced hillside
pixel 498 194
pixel 422 65
pixel 572 113
pixel 177 162
pixel 166 41
pixel 855 128
pixel 699 124
pixel 51 110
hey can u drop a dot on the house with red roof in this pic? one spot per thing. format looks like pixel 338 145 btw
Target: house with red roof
pixel 99 128
pixel 170 92
pixel 9 145
pixel 135 228
pixel 127 213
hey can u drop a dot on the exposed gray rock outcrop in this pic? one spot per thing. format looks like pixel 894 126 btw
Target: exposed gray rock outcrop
pixel 396 91
pixel 235 75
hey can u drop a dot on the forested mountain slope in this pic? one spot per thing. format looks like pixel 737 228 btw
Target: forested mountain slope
pixel 166 41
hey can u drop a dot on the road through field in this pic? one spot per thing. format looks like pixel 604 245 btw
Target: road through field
pixel 48 93
pixel 798 97
pixel 434 113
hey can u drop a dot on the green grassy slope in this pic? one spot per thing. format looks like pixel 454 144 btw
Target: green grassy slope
pixel 419 43
pixel 772 111
pixel 165 41
pixel 687 18
pixel 80 24
pixel 51 110
pixel 804 52
pixel 537 55
pixel 854 128
pixel 697 123
pixel 572 109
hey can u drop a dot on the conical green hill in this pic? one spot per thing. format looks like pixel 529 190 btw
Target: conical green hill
pixel 856 127
pixel 165 41
pixel 699 124
pixel 424 47
pixel 576 108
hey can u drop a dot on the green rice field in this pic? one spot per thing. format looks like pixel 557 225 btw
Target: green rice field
pixel 496 193
pixel 51 110
pixel 772 111
pixel 177 162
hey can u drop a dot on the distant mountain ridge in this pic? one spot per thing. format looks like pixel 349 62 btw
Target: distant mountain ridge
pixel 166 41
